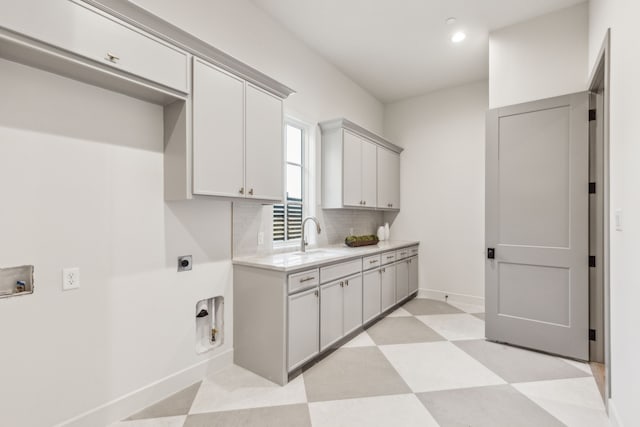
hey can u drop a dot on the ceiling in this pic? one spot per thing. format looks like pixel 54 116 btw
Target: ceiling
pixel 396 49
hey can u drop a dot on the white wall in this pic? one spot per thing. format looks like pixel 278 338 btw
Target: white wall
pixel 621 16
pixel 81 181
pixel 442 186
pixel 539 58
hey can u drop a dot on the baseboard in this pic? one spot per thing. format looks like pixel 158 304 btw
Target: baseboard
pixel 137 400
pixel 452 297
pixel 613 415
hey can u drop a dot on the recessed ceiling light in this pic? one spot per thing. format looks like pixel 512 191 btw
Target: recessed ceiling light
pixel 450 21
pixel 458 37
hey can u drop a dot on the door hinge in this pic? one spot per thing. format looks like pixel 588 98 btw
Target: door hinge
pixel 592 188
pixel 592 261
pixel 592 115
pixel 592 334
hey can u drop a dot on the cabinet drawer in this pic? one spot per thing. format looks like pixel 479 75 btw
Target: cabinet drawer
pixel 108 41
pixel 303 280
pixel 413 250
pixel 370 262
pixel 402 253
pixel 388 257
pixel 337 271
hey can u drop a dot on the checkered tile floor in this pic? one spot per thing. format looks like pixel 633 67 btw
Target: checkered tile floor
pixel 426 364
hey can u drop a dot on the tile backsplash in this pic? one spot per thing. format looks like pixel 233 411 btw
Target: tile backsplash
pixel 249 219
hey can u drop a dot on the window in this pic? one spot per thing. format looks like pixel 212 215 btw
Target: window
pixel 287 218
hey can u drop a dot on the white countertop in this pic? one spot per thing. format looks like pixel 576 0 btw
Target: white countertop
pixel 293 261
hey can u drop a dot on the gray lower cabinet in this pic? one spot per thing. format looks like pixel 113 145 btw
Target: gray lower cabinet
pixel 413 275
pixel 352 309
pixel 340 309
pixel 304 327
pixel 402 280
pixel 388 286
pixel 284 320
pixel 371 294
pixel 331 306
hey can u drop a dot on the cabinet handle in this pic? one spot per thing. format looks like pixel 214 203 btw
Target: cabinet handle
pixel 373 261
pixel 390 257
pixel 306 279
pixel 384 270
pixel 342 284
pixel 241 191
pixel 251 192
pixel 364 202
pixel 112 58
pixel 316 293
pixel 346 282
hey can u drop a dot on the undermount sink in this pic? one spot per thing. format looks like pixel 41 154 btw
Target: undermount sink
pixel 312 252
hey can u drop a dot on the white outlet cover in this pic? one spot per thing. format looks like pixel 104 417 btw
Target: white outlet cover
pixel 70 278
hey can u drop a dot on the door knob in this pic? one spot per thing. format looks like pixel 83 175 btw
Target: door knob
pixel 491 253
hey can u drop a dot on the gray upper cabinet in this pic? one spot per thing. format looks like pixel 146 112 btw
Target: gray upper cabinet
pixel 237 137
pixel 105 40
pixel 218 132
pixel 223 120
pixel 359 171
pixel 388 179
pixel 264 145
pixel 79 28
pixel 353 174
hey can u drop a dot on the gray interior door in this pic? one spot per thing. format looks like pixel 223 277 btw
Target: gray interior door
pixel 537 177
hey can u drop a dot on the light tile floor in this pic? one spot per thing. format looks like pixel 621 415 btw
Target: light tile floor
pixel 425 364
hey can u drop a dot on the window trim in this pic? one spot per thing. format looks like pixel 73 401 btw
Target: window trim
pixel 304 166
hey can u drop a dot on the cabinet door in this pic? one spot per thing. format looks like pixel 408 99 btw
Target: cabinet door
pixel 264 145
pixel 352 311
pixel 303 327
pixel 331 303
pixel 394 180
pixel 218 132
pixel 369 174
pixel 352 170
pixel 402 280
pixel 388 287
pixel 413 274
pixel 107 41
pixel 388 179
pixel 371 292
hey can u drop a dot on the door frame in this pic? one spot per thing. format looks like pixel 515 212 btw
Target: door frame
pixel 599 80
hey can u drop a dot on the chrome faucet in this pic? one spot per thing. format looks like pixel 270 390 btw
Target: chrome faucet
pixel 303 242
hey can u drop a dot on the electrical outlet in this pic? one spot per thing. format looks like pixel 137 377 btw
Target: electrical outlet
pixel 261 238
pixel 70 278
pixel 184 263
